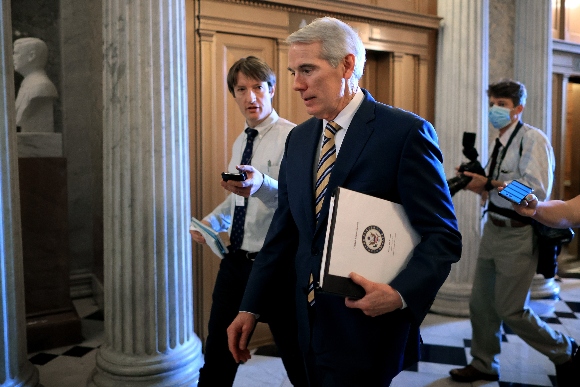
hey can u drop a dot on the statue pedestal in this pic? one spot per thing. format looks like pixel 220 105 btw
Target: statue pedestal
pixel 39 144
pixel 51 318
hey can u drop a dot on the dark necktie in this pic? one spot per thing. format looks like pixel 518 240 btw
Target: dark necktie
pixel 237 234
pixel 494 154
pixel 325 165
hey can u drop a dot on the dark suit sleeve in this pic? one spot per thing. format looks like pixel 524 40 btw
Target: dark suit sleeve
pixel 273 270
pixel 425 196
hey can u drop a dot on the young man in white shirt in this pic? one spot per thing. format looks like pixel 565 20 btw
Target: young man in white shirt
pixel 257 151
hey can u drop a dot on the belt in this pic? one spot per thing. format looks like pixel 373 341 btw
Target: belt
pixel 245 254
pixel 507 222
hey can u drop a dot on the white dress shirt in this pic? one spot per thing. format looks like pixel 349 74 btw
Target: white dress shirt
pixel 266 157
pixel 534 167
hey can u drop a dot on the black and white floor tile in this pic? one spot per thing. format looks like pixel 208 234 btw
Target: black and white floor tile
pixel 446 339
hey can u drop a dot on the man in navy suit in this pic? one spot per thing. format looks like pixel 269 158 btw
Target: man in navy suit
pixel 381 151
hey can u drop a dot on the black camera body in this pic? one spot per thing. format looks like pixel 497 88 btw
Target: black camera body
pixel 457 183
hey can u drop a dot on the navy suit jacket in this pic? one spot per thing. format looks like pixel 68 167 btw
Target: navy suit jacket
pixel 387 153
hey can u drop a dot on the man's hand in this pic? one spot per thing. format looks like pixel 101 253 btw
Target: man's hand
pixel 247 187
pixel 379 298
pixel 239 333
pixel 528 205
pixel 477 183
pixel 196 235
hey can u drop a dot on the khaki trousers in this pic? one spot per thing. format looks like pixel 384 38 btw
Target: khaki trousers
pixel 504 271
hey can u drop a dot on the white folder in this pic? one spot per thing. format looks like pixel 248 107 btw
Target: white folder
pixel 366 235
pixel 212 238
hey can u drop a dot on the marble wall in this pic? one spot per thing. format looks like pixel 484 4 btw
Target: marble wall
pixel 81 32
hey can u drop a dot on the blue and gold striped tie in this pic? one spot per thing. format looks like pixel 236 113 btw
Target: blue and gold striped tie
pixel 325 165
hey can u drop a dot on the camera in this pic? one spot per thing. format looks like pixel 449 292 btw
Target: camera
pixel 457 183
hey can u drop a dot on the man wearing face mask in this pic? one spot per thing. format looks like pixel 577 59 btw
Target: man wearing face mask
pixel 508 255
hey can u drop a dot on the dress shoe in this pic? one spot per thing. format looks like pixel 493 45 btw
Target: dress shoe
pixel 469 374
pixel 568 374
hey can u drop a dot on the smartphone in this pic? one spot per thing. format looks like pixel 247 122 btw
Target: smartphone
pixel 515 192
pixel 234 176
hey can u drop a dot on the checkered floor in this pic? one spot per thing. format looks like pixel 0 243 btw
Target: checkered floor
pixel 447 341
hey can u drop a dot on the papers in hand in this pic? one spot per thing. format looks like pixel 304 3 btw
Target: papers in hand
pixel 212 238
pixel 366 235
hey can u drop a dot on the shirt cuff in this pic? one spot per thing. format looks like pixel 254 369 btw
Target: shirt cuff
pixel 268 192
pixel 402 299
pixel 256 315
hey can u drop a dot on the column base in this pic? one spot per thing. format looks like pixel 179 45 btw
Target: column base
pixel 452 300
pixel 28 378
pixel 178 368
pixel 544 288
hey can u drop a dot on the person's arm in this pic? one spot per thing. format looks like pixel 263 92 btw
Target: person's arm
pixel 239 333
pixel 481 184
pixel 553 213
pixel 257 184
pixel 221 217
pixel 196 235
pixel 430 211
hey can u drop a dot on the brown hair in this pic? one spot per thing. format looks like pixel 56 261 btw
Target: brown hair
pixel 251 67
pixel 508 88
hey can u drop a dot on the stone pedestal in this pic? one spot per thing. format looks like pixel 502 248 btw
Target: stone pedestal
pixel 39 144
pixel 51 318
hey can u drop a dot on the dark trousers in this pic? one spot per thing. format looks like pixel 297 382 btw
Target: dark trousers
pixel 371 362
pixel 220 368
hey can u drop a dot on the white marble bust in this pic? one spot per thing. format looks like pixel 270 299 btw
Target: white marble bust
pixel 35 99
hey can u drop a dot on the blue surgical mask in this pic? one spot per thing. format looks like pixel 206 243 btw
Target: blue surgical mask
pixel 499 116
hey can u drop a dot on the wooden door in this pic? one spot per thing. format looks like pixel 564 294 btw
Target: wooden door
pixel 572 144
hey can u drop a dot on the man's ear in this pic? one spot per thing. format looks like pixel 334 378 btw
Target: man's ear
pixel 31 55
pixel 519 109
pixel 349 62
pixel 272 91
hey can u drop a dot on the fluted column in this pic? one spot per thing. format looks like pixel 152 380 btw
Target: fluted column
pixel 149 338
pixel 462 72
pixel 533 60
pixel 533 67
pixel 15 369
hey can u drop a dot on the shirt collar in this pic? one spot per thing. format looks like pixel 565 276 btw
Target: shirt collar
pixel 504 138
pixel 344 118
pixel 264 126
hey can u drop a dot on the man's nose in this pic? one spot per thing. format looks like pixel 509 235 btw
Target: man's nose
pixel 297 84
pixel 252 95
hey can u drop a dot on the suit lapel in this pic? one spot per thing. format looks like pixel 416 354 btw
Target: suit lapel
pixel 353 144
pixel 305 167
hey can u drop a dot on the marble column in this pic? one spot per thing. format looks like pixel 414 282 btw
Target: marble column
pixel 15 369
pixel 533 67
pixel 149 337
pixel 462 72
pixel 533 60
